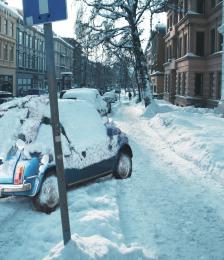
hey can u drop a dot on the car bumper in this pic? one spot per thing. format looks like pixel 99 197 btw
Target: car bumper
pixel 11 188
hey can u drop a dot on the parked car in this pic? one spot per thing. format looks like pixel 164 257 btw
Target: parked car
pixel 91 95
pixel 91 149
pixel 5 96
pixel 110 97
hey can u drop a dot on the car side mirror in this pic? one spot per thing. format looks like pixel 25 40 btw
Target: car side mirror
pixel 20 144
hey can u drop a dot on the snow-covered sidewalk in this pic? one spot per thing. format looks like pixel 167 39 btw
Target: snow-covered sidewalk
pixel 172 208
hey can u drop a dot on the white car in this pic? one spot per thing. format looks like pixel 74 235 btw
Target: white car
pixel 91 95
pixel 110 96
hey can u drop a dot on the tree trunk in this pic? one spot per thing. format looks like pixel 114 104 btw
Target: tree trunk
pixel 141 67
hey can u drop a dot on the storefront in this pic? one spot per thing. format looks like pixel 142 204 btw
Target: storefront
pixel 6 83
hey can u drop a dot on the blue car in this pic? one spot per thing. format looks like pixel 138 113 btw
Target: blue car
pixel 91 149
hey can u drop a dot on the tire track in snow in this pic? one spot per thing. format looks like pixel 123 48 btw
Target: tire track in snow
pixel 168 205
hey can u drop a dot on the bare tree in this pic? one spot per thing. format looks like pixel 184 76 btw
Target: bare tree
pixel 116 22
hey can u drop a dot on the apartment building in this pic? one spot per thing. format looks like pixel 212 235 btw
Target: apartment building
pixel 221 30
pixel 77 61
pixel 30 59
pixel 193 48
pixel 155 57
pixel 63 63
pixel 8 20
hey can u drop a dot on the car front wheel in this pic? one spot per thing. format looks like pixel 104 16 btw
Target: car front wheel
pixel 124 166
pixel 48 198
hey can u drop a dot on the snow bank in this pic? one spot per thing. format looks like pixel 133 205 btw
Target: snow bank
pixel 155 108
pixel 96 247
pixel 193 134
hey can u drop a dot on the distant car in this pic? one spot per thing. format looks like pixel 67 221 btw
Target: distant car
pixel 110 97
pixel 91 149
pixel 90 95
pixel 5 96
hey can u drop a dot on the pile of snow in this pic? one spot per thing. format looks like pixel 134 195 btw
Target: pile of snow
pixel 96 247
pixel 196 134
pixel 155 108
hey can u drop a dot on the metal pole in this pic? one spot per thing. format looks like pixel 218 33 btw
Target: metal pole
pixel 52 87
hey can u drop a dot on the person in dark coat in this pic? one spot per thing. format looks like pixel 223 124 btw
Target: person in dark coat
pixel 129 95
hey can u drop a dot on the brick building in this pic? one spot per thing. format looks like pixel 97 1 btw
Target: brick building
pixel 193 49
pixel 155 56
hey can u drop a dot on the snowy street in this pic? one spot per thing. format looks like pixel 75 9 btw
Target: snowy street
pixel 169 208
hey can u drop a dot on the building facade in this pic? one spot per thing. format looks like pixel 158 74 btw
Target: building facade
pixel 63 63
pixel 77 61
pixel 193 48
pixel 155 57
pixel 8 20
pixel 30 60
pixel 221 30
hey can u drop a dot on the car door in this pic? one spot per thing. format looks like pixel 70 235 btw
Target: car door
pixel 92 151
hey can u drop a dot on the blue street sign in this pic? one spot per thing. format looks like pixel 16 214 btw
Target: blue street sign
pixel 44 11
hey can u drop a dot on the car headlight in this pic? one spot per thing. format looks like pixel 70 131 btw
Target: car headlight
pixel 19 175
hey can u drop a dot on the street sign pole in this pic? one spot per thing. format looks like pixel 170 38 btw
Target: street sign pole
pixel 52 87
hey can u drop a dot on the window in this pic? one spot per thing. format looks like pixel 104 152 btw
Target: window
pixel 219 84
pixel 27 40
pixel 5 52
pixel 20 38
pixel 201 6
pixel 5 25
pixel 212 41
pixel 178 83
pixel 220 42
pixel 20 60
pixel 180 48
pixel 11 53
pixel 183 83
pixel 24 59
pixel 181 9
pixel 213 3
pixel 185 44
pixel 10 29
pixel 198 84
pixel 211 84
pixel 200 39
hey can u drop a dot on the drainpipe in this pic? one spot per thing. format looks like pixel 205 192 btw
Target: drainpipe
pixel 220 107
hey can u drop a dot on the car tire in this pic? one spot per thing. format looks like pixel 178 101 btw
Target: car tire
pixel 123 168
pixel 47 199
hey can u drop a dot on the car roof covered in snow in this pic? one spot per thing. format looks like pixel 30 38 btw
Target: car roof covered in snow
pixel 29 119
pixel 88 94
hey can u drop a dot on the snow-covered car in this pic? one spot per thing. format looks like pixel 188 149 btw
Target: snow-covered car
pixel 91 148
pixel 110 97
pixel 91 95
